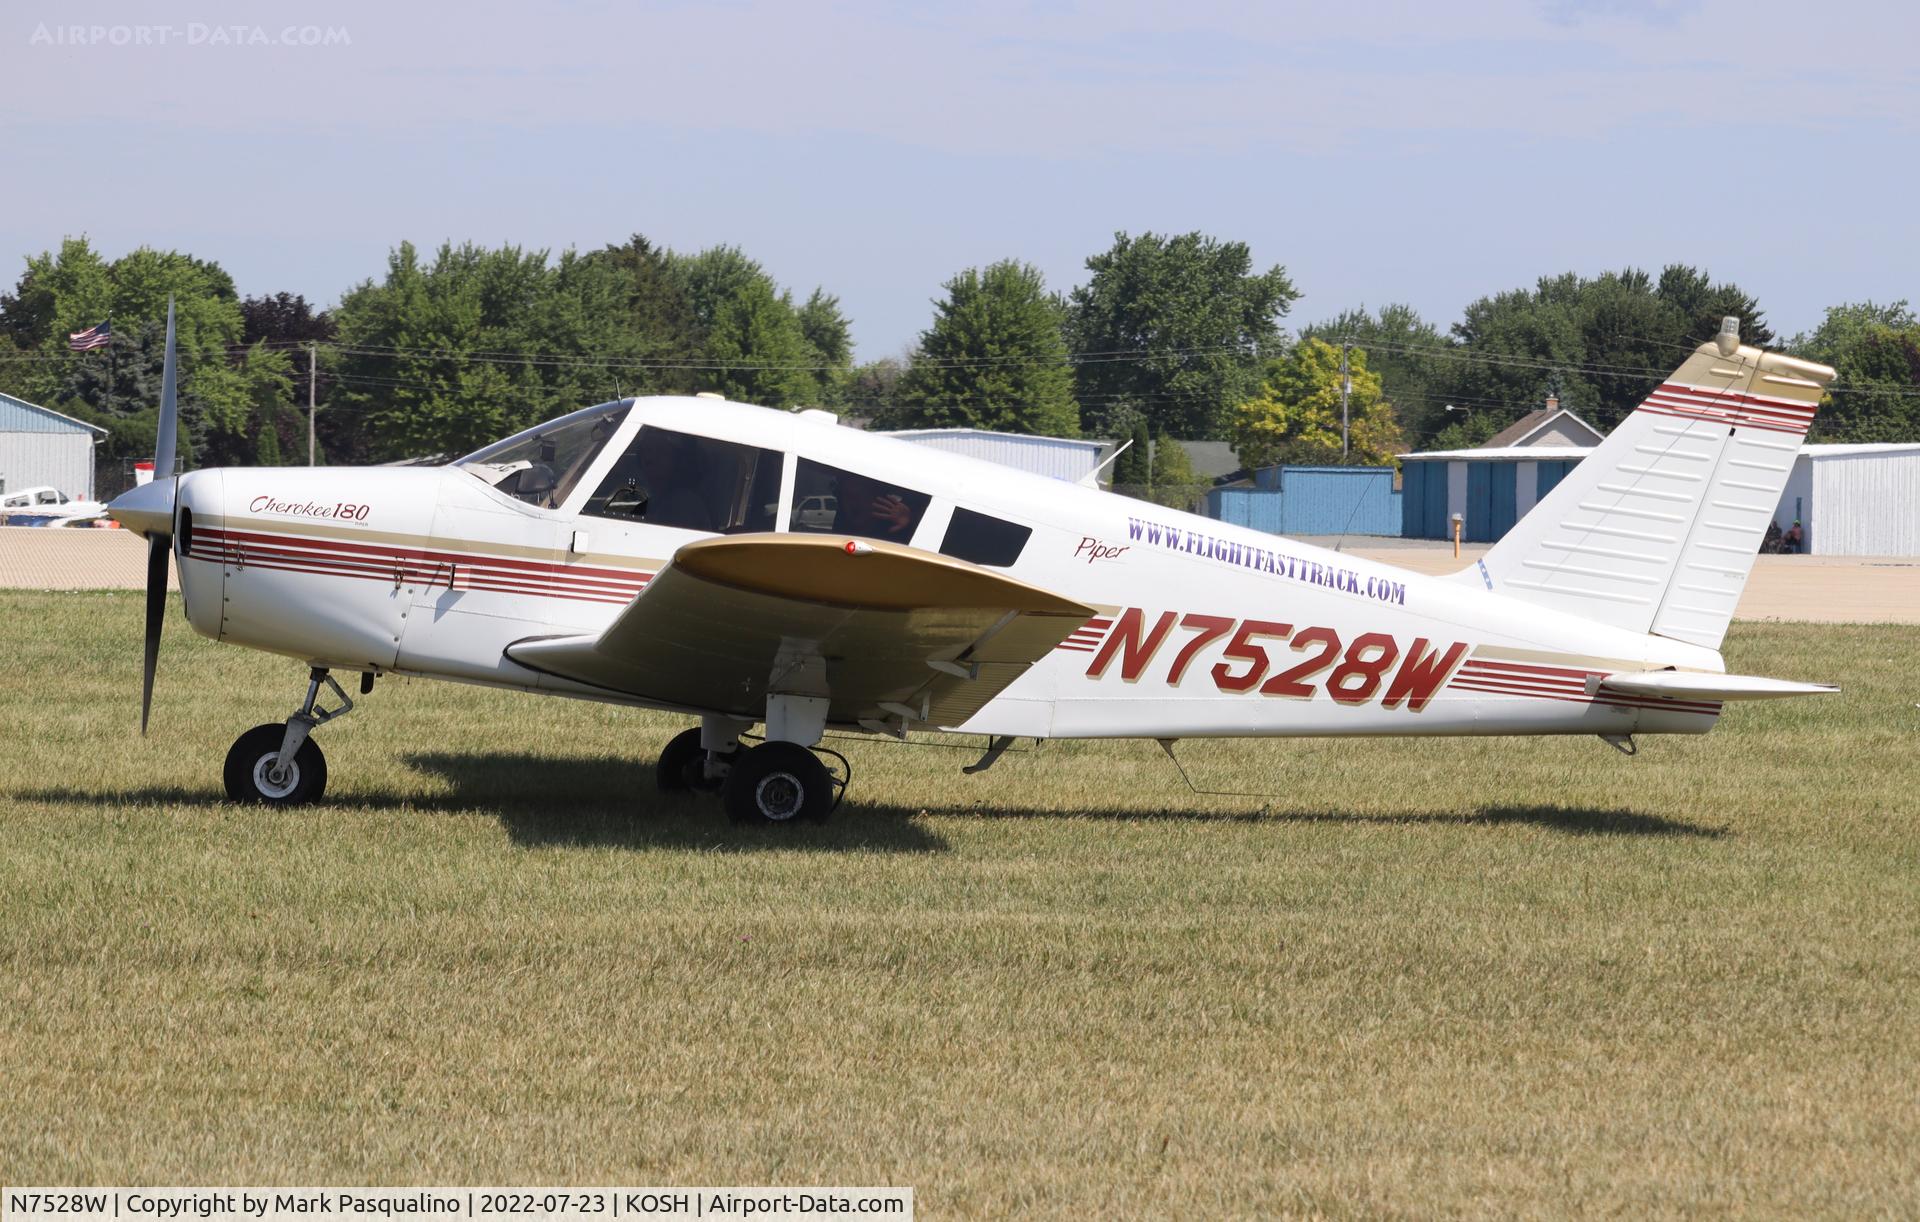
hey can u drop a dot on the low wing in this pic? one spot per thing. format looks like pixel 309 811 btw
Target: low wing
pixel 888 634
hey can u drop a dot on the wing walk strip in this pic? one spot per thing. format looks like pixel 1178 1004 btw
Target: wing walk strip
pixel 1730 407
pixel 383 563
pixel 1561 683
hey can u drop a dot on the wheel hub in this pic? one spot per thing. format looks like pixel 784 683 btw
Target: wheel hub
pixel 272 780
pixel 779 796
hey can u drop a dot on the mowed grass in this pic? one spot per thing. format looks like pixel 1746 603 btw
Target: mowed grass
pixel 1451 977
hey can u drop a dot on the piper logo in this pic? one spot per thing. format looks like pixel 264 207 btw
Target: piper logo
pixel 1092 549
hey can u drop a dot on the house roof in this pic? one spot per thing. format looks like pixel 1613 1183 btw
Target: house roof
pixel 1211 459
pixel 1504 454
pixel 1035 439
pixel 19 416
pixel 1535 422
pixel 1554 453
pixel 1857 449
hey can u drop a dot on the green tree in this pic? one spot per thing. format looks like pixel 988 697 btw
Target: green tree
pixel 871 387
pixel 759 353
pixel 659 313
pixel 1172 476
pixel 69 290
pixel 1600 344
pixel 1411 356
pixel 1295 416
pixel 994 358
pixel 757 348
pixel 1875 349
pixel 1171 465
pixel 1133 470
pixel 830 337
pixel 1178 325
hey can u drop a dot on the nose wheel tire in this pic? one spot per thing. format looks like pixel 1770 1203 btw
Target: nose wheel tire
pixel 778 783
pixel 252 776
pixel 683 766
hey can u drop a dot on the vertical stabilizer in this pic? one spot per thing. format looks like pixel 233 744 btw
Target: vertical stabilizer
pixel 1657 529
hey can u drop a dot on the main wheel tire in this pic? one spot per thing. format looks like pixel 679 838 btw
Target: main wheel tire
pixel 249 770
pixel 683 765
pixel 778 783
pixel 670 773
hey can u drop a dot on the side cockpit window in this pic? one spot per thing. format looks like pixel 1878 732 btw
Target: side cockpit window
pixel 980 539
pixel 829 501
pixel 541 466
pixel 691 483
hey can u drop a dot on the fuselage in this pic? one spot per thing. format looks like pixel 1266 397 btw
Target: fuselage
pixel 1203 628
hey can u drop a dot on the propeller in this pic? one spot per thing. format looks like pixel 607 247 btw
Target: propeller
pixel 160 544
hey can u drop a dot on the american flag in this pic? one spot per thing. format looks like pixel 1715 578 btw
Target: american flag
pixel 92 337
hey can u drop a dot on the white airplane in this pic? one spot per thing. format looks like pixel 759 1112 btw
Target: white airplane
pixel 756 567
pixel 45 505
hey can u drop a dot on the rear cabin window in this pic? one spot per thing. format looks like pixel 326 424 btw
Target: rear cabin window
pixel 829 501
pixel 692 483
pixel 981 539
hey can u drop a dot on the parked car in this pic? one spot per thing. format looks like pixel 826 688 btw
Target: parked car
pixel 816 512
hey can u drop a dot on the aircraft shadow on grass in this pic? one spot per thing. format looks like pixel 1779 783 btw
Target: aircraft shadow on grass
pixel 551 801
pixel 546 800
pixel 1575 821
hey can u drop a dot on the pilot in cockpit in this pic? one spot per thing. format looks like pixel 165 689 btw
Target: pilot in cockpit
pixel 671 472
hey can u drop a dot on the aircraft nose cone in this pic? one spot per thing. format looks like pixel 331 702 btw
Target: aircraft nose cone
pixel 145 510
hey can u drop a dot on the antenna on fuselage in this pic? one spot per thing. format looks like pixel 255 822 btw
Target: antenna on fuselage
pixel 1092 478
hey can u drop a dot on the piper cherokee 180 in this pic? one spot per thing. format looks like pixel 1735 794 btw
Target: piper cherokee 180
pixel 748 567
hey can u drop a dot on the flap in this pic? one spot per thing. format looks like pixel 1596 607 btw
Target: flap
pixel 863 623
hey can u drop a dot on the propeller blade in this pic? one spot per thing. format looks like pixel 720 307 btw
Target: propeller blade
pixel 168 437
pixel 158 548
pixel 159 544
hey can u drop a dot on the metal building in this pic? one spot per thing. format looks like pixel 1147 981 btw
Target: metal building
pixel 1067 458
pixel 1312 501
pixel 1490 488
pixel 1856 500
pixel 40 446
pixel 1851 500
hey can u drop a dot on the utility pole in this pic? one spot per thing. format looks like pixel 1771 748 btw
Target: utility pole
pixel 1346 389
pixel 312 353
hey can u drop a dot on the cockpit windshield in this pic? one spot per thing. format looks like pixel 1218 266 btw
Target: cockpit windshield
pixel 541 465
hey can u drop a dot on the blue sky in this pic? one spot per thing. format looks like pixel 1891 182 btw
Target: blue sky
pixel 1380 152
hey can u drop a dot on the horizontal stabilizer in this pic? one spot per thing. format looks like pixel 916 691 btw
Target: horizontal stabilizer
pixel 1691 685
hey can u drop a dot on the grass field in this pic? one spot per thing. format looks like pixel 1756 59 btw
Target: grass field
pixel 1503 976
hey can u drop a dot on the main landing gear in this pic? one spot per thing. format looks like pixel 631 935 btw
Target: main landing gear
pixel 775 781
pixel 281 765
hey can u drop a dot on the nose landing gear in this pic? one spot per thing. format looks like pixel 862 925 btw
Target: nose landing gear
pixel 280 765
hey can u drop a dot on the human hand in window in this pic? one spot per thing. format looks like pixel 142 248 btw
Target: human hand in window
pixel 891 513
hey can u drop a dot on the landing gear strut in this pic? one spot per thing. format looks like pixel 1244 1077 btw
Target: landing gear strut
pixel 781 780
pixel 281 765
pixel 685 764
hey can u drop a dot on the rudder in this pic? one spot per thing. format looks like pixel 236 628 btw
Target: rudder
pixel 1656 530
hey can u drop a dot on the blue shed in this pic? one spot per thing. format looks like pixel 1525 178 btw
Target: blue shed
pixel 1313 501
